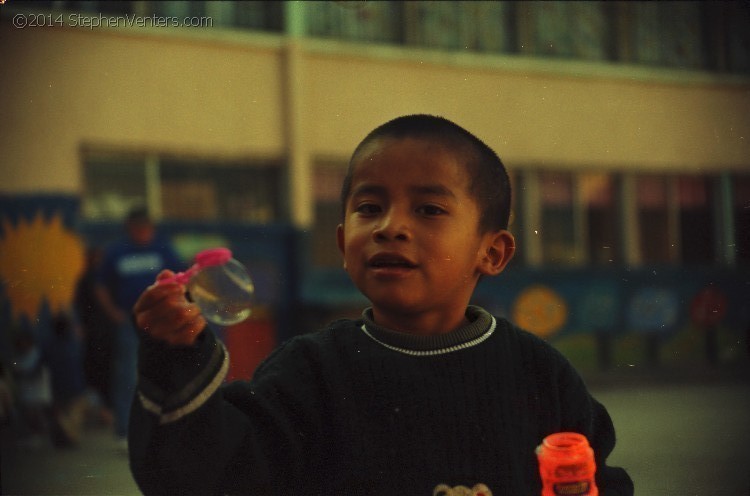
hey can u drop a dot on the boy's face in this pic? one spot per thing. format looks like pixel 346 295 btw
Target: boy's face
pixel 410 237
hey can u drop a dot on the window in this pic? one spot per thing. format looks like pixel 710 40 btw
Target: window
pixel 571 29
pixel 266 15
pixel 697 232
pixel 681 34
pixel 601 210
pixel 219 191
pixel 361 21
pixel 669 34
pixel 257 15
pixel 483 26
pixel 180 189
pixel 653 219
pixel 179 9
pixel 112 186
pixel 558 226
pixel 737 36
pixel 114 7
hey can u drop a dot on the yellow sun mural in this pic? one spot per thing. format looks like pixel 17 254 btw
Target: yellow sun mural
pixel 541 310
pixel 39 260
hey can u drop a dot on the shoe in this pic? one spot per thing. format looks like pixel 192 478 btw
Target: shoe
pixel 121 445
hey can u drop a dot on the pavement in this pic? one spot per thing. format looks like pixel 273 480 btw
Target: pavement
pixel 686 439
pixel 98 465
pixel 678 434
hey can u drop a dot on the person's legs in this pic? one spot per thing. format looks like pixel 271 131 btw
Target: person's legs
pixel 124 376
pixel 98 362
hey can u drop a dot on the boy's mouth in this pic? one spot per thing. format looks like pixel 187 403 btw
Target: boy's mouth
pixel 388 260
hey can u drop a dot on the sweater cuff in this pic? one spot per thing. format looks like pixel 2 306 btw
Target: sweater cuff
pixel 175 381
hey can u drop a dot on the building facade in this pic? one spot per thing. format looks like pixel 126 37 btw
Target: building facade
pixel 624 126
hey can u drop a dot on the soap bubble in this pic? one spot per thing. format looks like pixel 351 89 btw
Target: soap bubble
pixel 223 292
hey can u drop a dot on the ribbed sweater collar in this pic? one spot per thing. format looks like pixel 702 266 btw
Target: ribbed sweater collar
pixel 480 323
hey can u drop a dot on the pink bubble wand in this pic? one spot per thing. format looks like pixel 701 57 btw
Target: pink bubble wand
pixel 219 285
pixel 206 258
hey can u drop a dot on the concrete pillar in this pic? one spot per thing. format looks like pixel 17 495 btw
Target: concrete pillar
pixel 299 171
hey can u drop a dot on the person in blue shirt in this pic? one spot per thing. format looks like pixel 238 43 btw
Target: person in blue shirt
pixel 128 267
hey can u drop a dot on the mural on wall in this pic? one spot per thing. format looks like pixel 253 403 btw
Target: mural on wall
pixel 541 310
pixel 41 258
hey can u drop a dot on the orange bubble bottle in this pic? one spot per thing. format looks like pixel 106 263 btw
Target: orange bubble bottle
pixel 566 464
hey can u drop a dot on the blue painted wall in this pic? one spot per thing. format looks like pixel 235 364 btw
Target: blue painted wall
pixel 649 301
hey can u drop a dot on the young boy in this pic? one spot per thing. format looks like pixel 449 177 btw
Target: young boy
pixel 425 394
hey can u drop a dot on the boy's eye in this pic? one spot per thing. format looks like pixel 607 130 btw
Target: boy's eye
pixel 367 208
pixel 430 210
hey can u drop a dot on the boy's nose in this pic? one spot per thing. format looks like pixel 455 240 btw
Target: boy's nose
pixel 393 226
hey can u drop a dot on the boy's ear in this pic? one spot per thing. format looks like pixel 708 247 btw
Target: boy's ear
pixel 340 240
pixel 497 252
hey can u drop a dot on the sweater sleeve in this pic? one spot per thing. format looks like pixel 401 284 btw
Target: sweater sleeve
pixel 191 434
pixel 177 409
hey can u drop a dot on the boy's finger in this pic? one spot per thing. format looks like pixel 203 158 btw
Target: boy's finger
pixel 162 321
pixel 156 308
pixel 182 328
pixel 156 295
pixel 187 333
pixel 164 274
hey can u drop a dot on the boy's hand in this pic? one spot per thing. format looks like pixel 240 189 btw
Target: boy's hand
pixel 165 314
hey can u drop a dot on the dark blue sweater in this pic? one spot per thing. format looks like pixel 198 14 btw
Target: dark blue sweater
pixel 357 409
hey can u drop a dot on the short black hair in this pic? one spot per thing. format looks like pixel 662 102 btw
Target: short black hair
pixel 138 215
pixel 489 183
